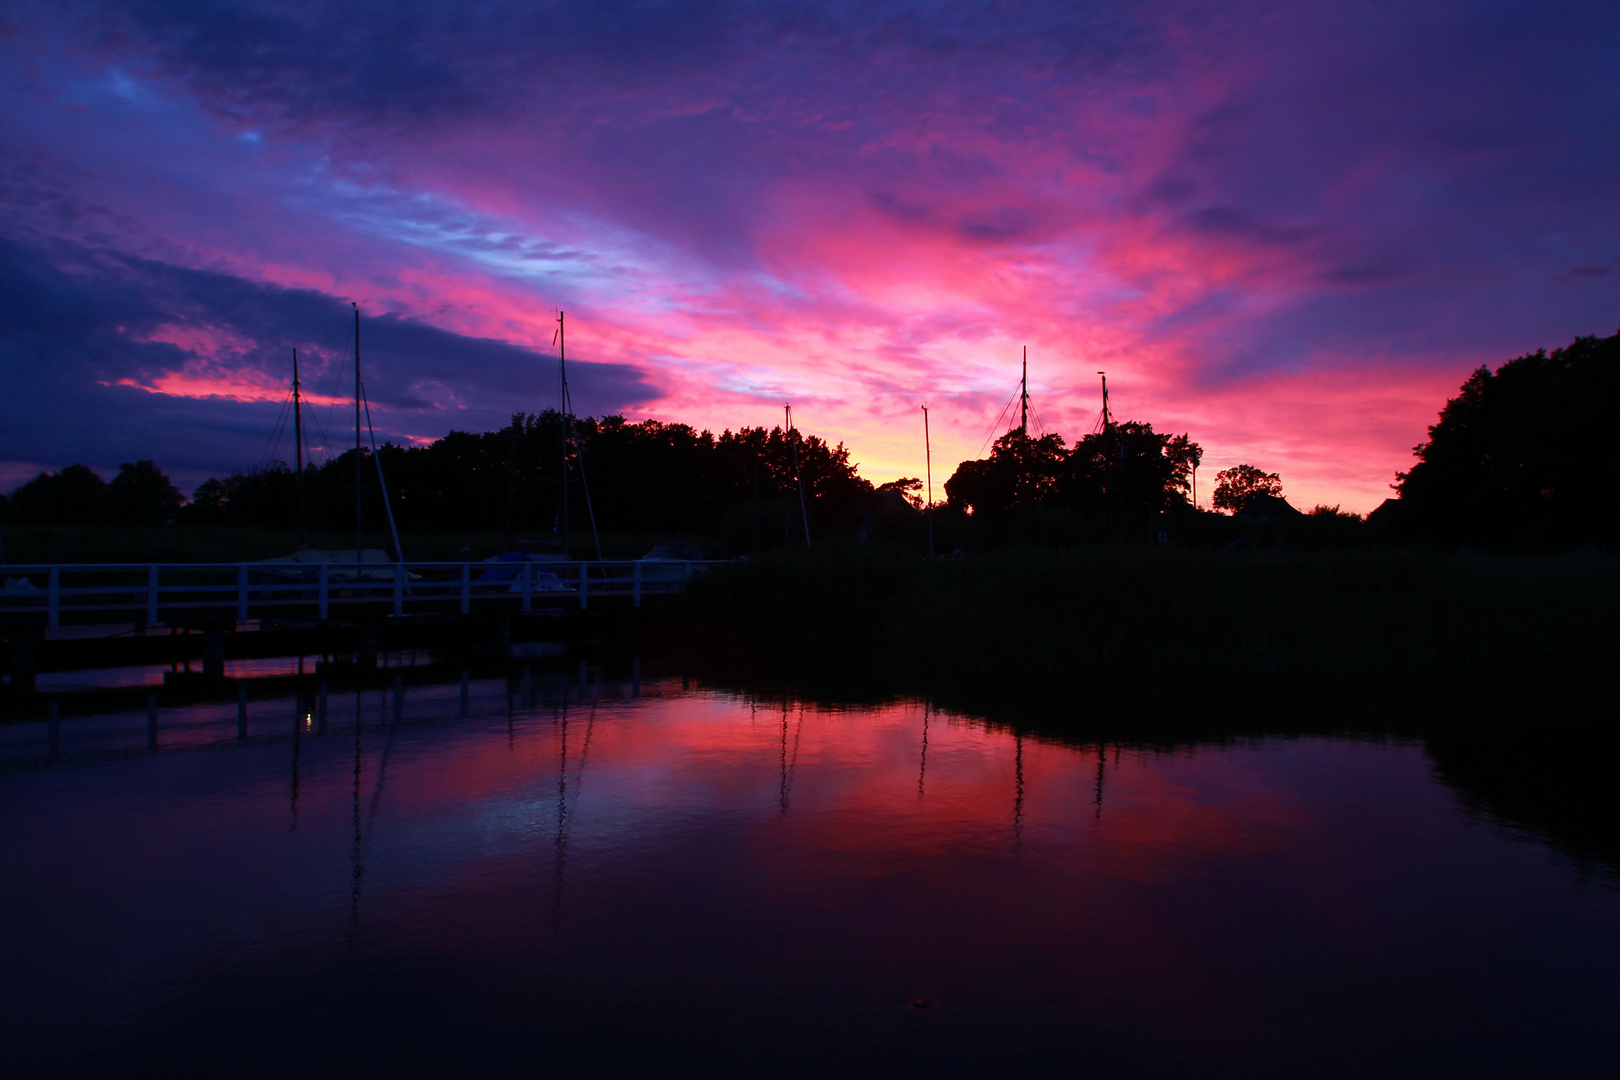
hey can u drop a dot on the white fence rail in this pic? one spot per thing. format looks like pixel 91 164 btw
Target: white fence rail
pixel 147 592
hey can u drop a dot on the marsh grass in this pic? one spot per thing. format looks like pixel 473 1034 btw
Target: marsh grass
pixel 1413 636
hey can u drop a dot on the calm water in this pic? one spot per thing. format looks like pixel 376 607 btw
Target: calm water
pixel 526 878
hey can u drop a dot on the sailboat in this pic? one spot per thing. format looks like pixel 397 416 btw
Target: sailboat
pixel 353 567
pixel 504 573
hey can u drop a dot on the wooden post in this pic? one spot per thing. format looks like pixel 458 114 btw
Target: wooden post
pixel 635 589
pixel 399 589
pixel 151 594
pixel 322 591
pixel 214 654
pixel 584 583
pixel 241 593
pixel 466 588
pixel 528 585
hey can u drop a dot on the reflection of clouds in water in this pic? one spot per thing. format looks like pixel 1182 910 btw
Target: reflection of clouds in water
pixel 688 850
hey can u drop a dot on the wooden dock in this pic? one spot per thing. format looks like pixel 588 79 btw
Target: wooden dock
pixel 59 617
pixel 49 596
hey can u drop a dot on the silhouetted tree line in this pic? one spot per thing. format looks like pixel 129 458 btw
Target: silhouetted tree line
pixel 139 495
pixel 650 476
pixel 1519 458
pixel 1125 468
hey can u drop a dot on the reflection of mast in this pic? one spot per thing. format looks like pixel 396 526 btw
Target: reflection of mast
pixel 789 763
pixel 782 793
pixel 922 769
pixel 562 819
pixel 298 741
pixel 1101 765
pixel 357 867
pixel 565 812
pixel 388 748
pixel 1018 788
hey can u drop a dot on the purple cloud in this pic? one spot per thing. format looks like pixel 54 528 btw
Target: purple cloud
pixel 855 206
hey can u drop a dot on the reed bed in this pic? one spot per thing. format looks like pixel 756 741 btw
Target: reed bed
pixel 1419 632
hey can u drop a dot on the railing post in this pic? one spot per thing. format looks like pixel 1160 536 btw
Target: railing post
pixel 399 589
pixel 54 585
pixel 241 593
pixel 635 589
pixel 151 594
pixel 584 583
pixel 321 593
pixel 527 585
pixel 466 588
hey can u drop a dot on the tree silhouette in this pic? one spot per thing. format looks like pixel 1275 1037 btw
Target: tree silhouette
pixel 1130 467
pixel 142 495
pixel 649 476
pixel 1240 483
pixel 1522 456
pixel 1019 473
pixel 909 488
pixel 139 495
pixel 76 495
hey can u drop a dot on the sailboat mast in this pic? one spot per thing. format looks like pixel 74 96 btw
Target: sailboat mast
pixel 928 467
pixel 298 437
pixel 359 454
pixel 1023 394
pixel 804 514
pixel 562 365
pixel 1104 375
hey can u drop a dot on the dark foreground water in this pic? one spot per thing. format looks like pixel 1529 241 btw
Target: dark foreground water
pixel 527 879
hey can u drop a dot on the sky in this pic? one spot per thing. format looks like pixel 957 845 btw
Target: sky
pixel 1287 229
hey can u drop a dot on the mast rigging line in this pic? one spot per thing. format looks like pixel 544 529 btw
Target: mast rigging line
pixel 995 427
pixel 382 481
pixel 1040 425
pixel 560 339
pixel 271 445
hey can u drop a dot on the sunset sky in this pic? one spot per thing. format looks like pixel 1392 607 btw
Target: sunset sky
pixel 1289 229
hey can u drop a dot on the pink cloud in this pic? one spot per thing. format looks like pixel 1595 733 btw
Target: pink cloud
pixel 1267 240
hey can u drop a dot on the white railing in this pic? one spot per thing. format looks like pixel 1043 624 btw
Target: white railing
pixel 146 592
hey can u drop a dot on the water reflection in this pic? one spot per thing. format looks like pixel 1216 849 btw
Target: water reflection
pixel 357 869
pixel 301 721
pixel 1548 780
pixel 427 883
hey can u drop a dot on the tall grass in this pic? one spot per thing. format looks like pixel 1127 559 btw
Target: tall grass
pixel 1233 631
